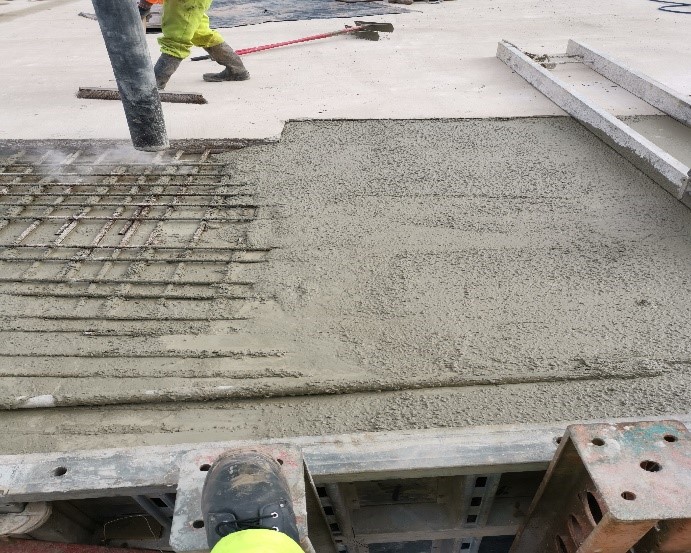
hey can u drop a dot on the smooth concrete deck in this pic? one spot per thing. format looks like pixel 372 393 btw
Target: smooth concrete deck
pixel 439 62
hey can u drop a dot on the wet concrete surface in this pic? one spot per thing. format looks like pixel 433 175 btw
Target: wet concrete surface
pixel 507 270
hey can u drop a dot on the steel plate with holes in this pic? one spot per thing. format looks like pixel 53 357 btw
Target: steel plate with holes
pixel 645 468
pixel 188 532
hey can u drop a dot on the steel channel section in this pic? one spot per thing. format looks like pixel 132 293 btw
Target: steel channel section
pixel 152 510
pixel 608 487
pixel 670 173
pixel 457 522
pixel 32 546
pixel 344 534
pixel 668 536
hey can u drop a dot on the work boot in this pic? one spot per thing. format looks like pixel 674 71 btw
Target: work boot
pixel 164 69
pixel 243 491
pixel 225 55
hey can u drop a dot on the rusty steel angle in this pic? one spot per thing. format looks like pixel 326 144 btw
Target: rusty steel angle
pixel 608 486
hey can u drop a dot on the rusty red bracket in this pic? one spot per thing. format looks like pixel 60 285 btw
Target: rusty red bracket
pixel 614 489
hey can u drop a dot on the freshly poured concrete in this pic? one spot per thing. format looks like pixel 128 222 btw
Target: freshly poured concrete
pixel 438 63
pixel 509 271
pixel 441 255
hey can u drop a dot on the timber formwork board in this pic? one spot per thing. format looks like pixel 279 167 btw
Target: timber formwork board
pixel 436 491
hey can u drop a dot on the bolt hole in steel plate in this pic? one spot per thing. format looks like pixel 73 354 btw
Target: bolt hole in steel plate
pixel 593 507
pixel 561 546
pixel 187 532
pixel 651 466
pixel 660 490
pixel 577 529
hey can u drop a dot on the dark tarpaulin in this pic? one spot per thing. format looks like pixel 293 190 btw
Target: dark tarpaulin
pixel 234 13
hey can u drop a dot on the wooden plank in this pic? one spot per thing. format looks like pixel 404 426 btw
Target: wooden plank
pixel 94 93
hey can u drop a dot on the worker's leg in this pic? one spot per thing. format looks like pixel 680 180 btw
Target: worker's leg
pixel 181 21
pixel 204 36
pixel 247 506
pixel 226 56
pixel 185 24
pixel 220 52
pixel 257 541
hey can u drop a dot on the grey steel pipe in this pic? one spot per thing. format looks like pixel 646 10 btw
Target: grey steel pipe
pixel 125 40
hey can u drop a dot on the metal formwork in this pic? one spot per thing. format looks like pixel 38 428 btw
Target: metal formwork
pixel 609 486
pixel 446 491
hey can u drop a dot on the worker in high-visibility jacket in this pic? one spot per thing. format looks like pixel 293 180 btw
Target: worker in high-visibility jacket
pixel 186 24
pixel 247 507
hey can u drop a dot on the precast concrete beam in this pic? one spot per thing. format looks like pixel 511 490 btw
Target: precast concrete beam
pixel 646 88
pixel 667 171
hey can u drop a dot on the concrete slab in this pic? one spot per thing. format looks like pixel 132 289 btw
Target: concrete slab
pixel 412 252
pixel 503 260
pixel 438 63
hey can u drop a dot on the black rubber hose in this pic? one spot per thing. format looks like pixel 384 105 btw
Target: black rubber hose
pixel 123 34
pixel 674 7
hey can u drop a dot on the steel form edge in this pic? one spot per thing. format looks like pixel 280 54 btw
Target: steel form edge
pixel 329 459
pixel 33 546
pixel 667 171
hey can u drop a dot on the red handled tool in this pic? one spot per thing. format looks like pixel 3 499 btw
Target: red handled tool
pixel 363 29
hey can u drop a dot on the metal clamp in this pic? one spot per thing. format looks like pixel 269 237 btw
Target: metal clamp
pixel 611 488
